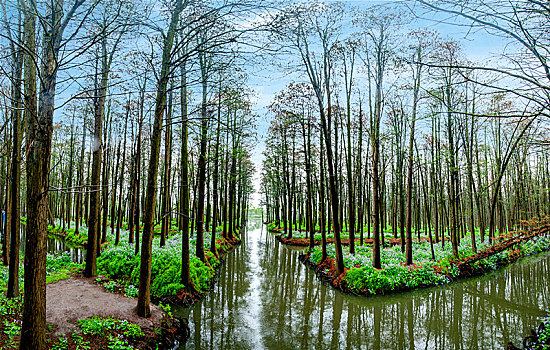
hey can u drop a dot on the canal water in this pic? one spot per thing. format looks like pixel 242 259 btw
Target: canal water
pixel 55 246
pixel 265 298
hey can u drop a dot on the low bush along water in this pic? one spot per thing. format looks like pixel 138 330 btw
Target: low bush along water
pixel 395 275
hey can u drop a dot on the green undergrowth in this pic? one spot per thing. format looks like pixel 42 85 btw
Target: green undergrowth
pixel 542 341
pixel 69 235
pixel 362 278
pixel 11 312
pixel 92 333
pixel 58 267
pixel 121 264
pixel 100 325
pixel 104 333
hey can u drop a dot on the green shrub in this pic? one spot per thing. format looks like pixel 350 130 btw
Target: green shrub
pixel 99 326
pixel 131 291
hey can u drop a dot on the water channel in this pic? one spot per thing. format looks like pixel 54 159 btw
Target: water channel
pixel 54 245
pixel 266 299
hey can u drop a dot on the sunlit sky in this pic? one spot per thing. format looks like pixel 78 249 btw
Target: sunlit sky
pixel 266 80
pixel 268 76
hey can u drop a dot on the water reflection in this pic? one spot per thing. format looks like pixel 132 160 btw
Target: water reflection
pixel 266 299
pixel 56 246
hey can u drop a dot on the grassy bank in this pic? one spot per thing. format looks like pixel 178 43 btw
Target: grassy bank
pixel 360 278
pixel 96 333
pixel 58 267
pixel 120 265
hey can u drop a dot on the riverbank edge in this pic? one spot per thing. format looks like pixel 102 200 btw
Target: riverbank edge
pixel 188 300
pixel 182 298
pixel 172 330
pixel 337 282
pixel 538 339
pixel 326 270
pixel 166 332
pixel 304 242
pixel 61 234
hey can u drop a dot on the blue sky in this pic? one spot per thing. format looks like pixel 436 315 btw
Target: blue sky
pixel 267 80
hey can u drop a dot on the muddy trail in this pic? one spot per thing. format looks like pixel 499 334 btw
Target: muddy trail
pixel 79 298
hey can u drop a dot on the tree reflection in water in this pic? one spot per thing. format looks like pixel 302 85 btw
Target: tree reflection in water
pixel 266 299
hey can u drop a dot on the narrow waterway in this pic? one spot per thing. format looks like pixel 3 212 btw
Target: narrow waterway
pixel 266 299
pixel 55 246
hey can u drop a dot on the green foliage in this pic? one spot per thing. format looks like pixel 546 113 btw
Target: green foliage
pixel 11 311
pixel 96 325
pixel 119 262
pixel 394 275
pixel 316 256
pixel 61 344
pixel 69 235
pixel 543 341
pixel 271 226
pixel 110 286
pixel 131 291
pixel 133 330
pixel 166 309
pixel 59 266
pixel 118 344
pixel 79 341
pixel 58 276
pixel 11 328
pixel 99 326
pixel 11 306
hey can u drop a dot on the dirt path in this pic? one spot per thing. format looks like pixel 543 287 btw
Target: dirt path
pixel 76 298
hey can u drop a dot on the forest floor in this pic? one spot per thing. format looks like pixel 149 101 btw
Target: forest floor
pixel 120 263
pixel 80 298
pixel 100 313
pixel 80 314
pixel 428 269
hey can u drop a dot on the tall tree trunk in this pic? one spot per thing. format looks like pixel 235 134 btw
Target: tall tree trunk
pixel 95 201
pixel 185 265
pixel 144 294
pixel 201 168
pixel 137 203
pixel 121 180
pixel 215 178
pixel 39 139
pixel 416 91
pixel 167 173
pixel 15 190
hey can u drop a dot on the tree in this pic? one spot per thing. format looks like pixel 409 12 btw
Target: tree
pixel 422 40
pixel 39 138
pixel 15 40
pixel 144 308
pixel 305 27
pixel 379 41
pixel 101 81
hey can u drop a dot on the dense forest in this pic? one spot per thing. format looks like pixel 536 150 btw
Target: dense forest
pixel 401 133
pixel 396 152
